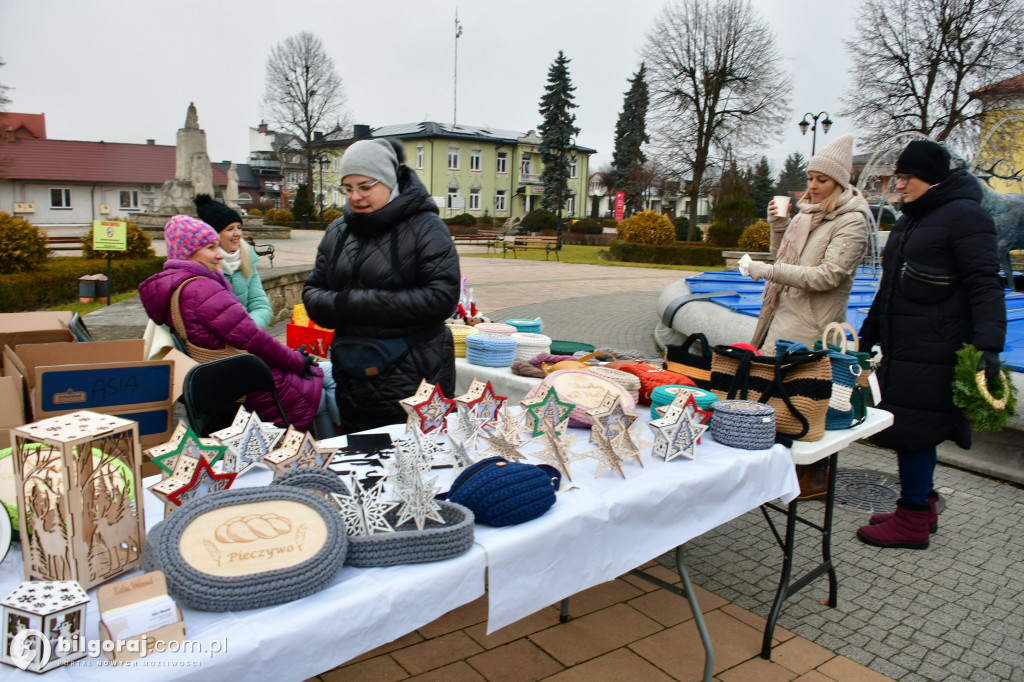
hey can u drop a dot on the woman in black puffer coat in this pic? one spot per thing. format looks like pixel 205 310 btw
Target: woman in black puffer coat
pixel 946 234
pixel 386 278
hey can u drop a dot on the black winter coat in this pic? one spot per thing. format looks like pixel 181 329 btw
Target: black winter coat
pixel 944 230
pixel 384 275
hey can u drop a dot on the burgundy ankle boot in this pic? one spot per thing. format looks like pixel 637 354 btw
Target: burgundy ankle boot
pixel 934 501
pixel 908 529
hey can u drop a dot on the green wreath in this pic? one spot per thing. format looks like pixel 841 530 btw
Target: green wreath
pixel 987 404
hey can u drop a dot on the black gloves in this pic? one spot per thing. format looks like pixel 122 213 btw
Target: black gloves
pixel 990 364
pixel 307 371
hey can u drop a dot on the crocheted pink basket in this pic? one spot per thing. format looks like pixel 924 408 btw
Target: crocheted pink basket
pixel 584 389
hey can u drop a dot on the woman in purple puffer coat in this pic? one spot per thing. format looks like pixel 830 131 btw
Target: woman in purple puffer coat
pixel 214 317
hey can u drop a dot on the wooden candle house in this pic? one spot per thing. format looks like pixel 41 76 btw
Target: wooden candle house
pixel 44 625
pixel 79 499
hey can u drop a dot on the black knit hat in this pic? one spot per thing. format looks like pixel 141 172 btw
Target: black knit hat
pixel 926 160
pixel 214 213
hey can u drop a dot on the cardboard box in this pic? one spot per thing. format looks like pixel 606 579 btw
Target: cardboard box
pixel 44 327
pixel 12 408
pixel 103 376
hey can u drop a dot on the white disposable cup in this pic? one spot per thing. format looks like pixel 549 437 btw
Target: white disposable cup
pixel 781 206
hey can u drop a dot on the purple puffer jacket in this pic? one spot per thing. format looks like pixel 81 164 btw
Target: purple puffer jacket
pixel 213 317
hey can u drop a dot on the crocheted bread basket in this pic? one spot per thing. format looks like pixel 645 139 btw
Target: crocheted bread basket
pixel 585 390
pixel 207 560
pixel 407 545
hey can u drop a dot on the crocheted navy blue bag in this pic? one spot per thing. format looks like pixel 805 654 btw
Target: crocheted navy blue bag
pixel 503 493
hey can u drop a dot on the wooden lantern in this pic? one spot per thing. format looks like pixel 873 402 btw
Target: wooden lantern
pixel 52 615
pixel 80 502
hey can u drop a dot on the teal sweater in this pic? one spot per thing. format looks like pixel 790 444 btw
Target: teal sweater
pixel 250 291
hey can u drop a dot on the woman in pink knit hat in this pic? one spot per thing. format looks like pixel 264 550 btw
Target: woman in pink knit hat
pixel 213 318
pixel 816 257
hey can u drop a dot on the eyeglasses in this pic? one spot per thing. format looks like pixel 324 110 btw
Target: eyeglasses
pixel 363 188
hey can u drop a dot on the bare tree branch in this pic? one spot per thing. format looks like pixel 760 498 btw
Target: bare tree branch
pixel 303 91
pixel 715 81
pixel 918 61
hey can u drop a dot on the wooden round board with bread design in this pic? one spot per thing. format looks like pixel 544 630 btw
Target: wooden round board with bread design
pixel 586 390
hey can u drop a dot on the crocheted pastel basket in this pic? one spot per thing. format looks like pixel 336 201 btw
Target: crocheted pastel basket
pixel 459 334
pixel 204 591
pixel 570 347
pixel 490 350
pixel 584 389
pixel 528 345
pixel 664 395
pixel 496 328
pixel 628 381
pixel 526 326
pixel 503 493
pixel 744 424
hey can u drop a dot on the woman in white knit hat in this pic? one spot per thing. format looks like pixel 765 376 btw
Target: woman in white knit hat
pixel 816 256
pixel 816 253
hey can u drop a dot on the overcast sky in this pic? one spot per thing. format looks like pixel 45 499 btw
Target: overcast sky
pixel 126 70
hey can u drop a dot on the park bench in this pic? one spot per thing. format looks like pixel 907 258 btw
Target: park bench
pixel 548 244
pixel 488 238
pixel 262 249
pixel 64 243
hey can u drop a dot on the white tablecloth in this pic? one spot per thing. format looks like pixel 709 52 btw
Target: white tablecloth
pixel 504 382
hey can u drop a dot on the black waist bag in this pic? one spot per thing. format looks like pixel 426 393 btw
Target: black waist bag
pixel 922 284
pixel 362 358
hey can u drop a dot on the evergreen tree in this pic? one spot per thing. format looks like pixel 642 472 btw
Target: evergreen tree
pixel 302 205
pixel 793 177
pixel 761 184
pixel 630 136
pixel 556 132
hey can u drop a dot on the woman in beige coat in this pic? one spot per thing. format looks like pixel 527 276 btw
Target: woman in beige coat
pixel 816 253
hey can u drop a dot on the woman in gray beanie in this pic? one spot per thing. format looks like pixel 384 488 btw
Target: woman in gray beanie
pixel 816 258
pixel 386 278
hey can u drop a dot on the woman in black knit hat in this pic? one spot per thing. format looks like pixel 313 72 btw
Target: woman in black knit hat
pixel 239 264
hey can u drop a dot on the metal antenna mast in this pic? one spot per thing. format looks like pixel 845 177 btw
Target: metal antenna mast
pixel 455 92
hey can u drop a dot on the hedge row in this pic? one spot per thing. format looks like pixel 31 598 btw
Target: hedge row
pixel 686 253
pixel 57 281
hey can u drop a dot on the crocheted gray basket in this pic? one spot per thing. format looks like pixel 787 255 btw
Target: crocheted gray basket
pixel 744 424
pixel 407 545
pixel 205 592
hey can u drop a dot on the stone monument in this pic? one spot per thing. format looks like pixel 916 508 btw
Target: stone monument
pixel 192 173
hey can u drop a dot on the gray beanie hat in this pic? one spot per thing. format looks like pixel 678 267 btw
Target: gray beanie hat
pixel 835 160
pixel 373 158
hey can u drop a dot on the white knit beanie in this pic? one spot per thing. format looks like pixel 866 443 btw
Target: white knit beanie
pixel 835 160
pixel 373 158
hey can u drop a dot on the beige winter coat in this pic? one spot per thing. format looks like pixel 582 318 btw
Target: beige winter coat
pixel 818 287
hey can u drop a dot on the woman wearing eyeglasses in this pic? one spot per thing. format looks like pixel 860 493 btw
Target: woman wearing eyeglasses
pixel 386 278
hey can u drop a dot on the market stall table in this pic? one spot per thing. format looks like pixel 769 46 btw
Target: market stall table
pixel 505 383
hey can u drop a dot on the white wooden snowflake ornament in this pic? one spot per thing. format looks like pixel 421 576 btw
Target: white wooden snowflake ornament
pixel 363 511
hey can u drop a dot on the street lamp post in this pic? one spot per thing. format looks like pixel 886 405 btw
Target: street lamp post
pixel 561 188
pixel 825 125
pixel 322 160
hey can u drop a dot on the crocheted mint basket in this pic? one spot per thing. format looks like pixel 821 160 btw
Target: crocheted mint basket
pixel 664 395
pixel 246 538
pixel 526 326
pixel 407 545
pixel 744 424
pixel 503 493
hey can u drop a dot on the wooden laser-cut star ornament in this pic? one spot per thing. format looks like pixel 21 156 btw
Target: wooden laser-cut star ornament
pixel 184 441
pixel 363 510
pixel 545 407
pixel 557 450
pixel 237 425
pixel 677 432
pixel 506 441
pixel 689 399
pixel 428 408
pixel 613 421
pixel 191 478
pixel 297 449
pixel 481 400
pixel 609 457
pixel 406 475
pixel 463 450
pixel 248 447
